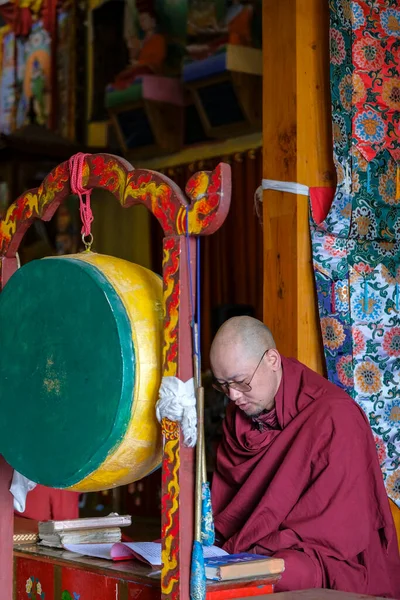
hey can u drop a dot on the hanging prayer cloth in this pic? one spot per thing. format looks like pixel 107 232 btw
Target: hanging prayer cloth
pixel 356 241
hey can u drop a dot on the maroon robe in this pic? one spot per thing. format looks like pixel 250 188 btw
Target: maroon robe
pixel 304 482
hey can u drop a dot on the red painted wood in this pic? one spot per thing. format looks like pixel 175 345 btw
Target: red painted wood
pixel 187 455
pixel 138 591
pixel 240 592
pixel 91 579
pixel 88 585
pixel 30 574
pixel 6 531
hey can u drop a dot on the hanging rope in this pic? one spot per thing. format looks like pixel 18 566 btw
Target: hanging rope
pixel 76 164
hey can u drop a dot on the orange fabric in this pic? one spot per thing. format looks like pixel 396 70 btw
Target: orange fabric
pixel 151 59
pixel 396 518
pixel 44 504
pixel 240 28
pixel 153 52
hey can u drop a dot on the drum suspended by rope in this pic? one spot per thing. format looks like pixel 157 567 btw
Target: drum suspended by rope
pixel 80 346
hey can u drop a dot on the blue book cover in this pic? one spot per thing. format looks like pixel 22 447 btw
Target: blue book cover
pixel 244 565
pixel 229 559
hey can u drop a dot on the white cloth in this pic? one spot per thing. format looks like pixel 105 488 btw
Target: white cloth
pixel 177 402
pixel 285 186
pixel 20 486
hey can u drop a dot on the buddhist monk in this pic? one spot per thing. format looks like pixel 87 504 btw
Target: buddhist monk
pixel 297 474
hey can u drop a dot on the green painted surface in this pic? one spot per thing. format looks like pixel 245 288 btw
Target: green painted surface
pixel 131 94
pixel 67 370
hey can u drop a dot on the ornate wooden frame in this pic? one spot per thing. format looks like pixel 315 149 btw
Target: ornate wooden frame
pixel 200 212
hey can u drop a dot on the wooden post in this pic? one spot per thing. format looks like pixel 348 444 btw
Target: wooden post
pixel 297 148
pixel 6 531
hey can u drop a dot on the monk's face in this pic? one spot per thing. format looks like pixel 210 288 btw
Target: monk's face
pixel 263 376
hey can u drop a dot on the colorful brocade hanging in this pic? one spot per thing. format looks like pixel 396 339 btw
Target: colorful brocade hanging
pixel 356 245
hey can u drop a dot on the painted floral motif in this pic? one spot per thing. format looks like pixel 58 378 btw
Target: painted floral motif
pixel 332 333
pixel 357 15
pixel 380 449
pixel 358 341
pixel 339 131
pixel 390 278
pixel 370 127
pixel 337 47
pixel 386 249
pixel 344 11
pixel 345 370
pixel 356 249
pixel 359 162
pixel 67 596
pixel 346 91
pixel 391 342
pixel 33 589
pixel 342 297
pixel 390 21
pixel 363 223
pixel 368 54
pixel 359 91
pixel 393 485
pixel 391 93
pixel 368 378
pixel 391 412
pixel 335 246
pixel 387 185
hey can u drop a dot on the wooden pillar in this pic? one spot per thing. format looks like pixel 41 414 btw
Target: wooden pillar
pixel 298 148
pixel 6 531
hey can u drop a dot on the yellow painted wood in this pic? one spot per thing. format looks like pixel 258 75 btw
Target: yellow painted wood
pixel 140 451
pixel 97 132
pixel 396 517
pixel 297 147
pixel 203 152
pixel 121 233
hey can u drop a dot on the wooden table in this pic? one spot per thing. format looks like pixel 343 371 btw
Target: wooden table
pixel 61 575
pixel 318 594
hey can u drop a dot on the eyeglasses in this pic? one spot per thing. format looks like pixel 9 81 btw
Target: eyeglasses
pixel 240 386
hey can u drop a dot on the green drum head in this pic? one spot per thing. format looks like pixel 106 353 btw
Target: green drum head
pixel 67 370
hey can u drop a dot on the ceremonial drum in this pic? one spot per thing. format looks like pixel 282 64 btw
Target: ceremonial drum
pixel 80 368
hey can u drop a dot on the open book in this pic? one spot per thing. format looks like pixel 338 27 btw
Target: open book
pixel 148 552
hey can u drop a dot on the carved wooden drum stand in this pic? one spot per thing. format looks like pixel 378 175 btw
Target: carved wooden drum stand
pixel 84 342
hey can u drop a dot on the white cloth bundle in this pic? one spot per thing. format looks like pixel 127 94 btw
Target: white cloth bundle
pixel 20 486
pixel 177 402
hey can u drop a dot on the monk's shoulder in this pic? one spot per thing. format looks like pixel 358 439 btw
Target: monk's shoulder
pixel 337 411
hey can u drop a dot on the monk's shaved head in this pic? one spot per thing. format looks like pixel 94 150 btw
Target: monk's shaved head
pixel 251 335
pixel 246 364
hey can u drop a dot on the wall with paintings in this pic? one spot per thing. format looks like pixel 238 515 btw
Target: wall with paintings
pixel 173 74
pixel 38 66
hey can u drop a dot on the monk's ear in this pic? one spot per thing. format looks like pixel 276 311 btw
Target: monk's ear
pixel 274 359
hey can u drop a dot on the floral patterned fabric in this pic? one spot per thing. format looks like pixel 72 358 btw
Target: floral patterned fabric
pixel 356 249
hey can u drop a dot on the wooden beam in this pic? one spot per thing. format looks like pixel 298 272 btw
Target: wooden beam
pixel 298 148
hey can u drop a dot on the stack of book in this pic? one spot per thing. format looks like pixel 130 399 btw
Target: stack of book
pixel 97 530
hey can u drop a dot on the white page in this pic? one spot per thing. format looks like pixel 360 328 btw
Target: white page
pixel 210 551
pixel 96 550
pixel 151 551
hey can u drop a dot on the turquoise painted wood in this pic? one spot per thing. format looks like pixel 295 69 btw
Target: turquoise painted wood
pixel 67 370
